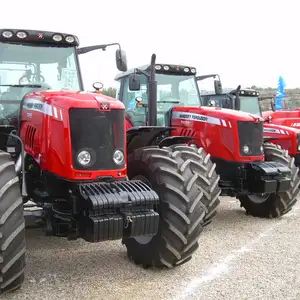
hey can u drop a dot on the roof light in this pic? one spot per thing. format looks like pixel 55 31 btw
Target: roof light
pixel 21 35
pixel 70 39
pixel 193 70
pixel 186 70
pixel 57 37
pixel 166 68
pixel 7 34
pixel 157 67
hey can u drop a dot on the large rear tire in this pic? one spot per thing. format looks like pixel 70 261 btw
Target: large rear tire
pixel 12 228
pixel 276 204
pixel 181 209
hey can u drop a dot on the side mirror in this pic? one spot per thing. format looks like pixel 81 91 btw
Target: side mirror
pixel 134 82
pixel 218 87
pixel 121 60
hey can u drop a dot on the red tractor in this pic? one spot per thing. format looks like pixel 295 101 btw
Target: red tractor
pixel 247 100
pixel 259 174
pixel 66 153
pixel 288 117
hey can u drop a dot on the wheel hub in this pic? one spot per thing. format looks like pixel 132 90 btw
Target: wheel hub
pixel 259 198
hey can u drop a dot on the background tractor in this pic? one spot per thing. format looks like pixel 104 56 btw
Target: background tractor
pixel 63 153
pixel 259 174
pixel 285 117
pixel 247 100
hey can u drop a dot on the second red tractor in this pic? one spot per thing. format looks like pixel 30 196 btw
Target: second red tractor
pixel 261 175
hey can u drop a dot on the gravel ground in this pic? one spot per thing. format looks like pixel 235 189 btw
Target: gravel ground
pixel 240 257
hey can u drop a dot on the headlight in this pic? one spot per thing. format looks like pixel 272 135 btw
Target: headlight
pixel 245 149
pixel 298 148
pixel 84 157
pixel 118 157
pixel 261 149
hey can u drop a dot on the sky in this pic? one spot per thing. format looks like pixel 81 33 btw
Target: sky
pixel 245 42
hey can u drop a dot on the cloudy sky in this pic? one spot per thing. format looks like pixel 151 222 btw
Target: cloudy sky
pixel 246 42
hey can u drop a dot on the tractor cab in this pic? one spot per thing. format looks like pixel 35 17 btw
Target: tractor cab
pixel 32 61
pixel 239 99
pixel 244 100
pixel 176 86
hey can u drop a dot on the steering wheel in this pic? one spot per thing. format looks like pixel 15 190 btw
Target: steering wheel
pixel 167 97
pixel 25 77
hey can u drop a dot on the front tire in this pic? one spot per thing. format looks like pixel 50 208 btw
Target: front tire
pixel 207 178
pixel 276 204
pixel 181 209
pixel 12 227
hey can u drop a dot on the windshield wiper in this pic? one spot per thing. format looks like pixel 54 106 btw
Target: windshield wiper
pixel 22 85
pixel 176 102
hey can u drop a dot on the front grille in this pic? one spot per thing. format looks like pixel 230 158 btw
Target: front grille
pixel 250 134
pixel 102 132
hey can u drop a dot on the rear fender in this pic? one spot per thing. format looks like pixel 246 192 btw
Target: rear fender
pixel 144 136
pixel 269 138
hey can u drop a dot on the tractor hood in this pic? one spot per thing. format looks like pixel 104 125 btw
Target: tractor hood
pixel 280 129
pixel 220 113
pixel 294 113
pixel 68 99
pixel 289 118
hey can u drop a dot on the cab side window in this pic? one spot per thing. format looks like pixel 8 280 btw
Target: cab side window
pixel 135 113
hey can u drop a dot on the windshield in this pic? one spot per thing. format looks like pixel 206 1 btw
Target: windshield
pixel 38 67
pixel 250 105
pixel 177 90
pixel 172 90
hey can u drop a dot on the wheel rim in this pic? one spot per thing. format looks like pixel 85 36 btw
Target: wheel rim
pixel 144 239
pixel 259 198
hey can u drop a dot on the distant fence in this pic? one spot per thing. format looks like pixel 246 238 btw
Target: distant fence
pixel 292 100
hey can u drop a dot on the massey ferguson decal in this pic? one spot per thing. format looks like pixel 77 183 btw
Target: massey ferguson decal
pixel 199 118
pixel 104 106
pixel 195 117
pixel 42 107
pixel 273 130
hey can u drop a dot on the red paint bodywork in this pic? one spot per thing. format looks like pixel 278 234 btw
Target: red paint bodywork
pixel 286 121
pixel 290 118
pixel 220 141
pixel 47 138
pixel 287 137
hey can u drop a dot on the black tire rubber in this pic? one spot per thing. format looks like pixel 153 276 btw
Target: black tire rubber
pixel 12 227
pixel 277 204
pixel 181 210
pixel 207 178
